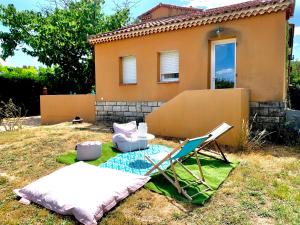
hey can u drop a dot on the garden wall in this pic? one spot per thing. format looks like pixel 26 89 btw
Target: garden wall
pixel 194 113
pixel 62 108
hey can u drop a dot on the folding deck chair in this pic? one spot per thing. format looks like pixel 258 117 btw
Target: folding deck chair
pixel 176 156
pixel 214 135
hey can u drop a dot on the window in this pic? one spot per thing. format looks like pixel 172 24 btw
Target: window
pixel 129 70
pixel 169 66
pixel 223 64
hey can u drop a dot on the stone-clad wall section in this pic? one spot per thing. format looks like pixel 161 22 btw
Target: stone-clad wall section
pixel 267 115
pixel 121 111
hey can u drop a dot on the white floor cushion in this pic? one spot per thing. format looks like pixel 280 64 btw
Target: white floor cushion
pixel 89 150
pixel 82 190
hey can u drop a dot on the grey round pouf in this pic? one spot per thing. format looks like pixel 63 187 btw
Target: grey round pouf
pixel 89 150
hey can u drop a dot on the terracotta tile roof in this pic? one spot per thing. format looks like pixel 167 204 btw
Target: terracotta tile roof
pixel 199 18
pixel 187 10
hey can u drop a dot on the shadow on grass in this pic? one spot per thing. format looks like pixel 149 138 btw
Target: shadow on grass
pixel 97 127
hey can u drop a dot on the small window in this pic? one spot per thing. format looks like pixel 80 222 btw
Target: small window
pixel 169 66
pixel 129 70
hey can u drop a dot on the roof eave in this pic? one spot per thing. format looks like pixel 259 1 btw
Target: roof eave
pixel 287 6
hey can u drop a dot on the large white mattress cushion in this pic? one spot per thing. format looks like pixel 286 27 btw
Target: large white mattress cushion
pixel 82 190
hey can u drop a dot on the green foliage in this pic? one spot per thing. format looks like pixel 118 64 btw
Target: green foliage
pixel 295 74
pixel 58 38
pixel 294 96
pixel 24 73
pixel 221 83
pixel 15 71
pixel 285 134
pixel 24 86
pixel 294 89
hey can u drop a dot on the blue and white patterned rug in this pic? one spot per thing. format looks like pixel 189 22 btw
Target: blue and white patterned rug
pixel 135 162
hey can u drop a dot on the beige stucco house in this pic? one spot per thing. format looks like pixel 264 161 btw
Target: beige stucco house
pixel 174 49
pixel 184 70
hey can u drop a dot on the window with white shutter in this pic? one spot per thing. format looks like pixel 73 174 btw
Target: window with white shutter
pixel 169 66
pixel 129 69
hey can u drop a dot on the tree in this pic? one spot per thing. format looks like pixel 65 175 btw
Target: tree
pixel 294 88
pixel 58 38
pixel 295 73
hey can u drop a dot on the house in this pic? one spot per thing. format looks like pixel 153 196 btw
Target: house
pixel 176 57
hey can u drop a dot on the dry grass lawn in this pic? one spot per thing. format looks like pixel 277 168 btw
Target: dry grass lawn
pixel 263 189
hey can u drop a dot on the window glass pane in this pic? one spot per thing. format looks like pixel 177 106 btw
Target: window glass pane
pixel 129 69
pixel 225 65
pixel 170 77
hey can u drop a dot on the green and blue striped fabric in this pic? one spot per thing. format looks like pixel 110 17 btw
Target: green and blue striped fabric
pixel 135 162
pixel 189 147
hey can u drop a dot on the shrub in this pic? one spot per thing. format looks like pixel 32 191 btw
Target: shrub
pixel 285 134
pixel 252 139
pixel 294 95
pixel 294 89
pixel 221 83
pixel 11 116
pixel 23 86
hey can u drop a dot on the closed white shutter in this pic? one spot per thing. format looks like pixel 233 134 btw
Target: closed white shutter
pixel 169 62
pixel 129 69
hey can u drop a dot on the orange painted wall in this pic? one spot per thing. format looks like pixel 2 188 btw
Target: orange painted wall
pixel 62 108
pixel 194 113
pixel 260 60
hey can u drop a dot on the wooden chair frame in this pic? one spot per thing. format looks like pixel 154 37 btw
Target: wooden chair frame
pixel 217 153
pixel 175 182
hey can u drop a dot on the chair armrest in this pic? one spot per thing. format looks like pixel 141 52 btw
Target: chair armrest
pixel 120 137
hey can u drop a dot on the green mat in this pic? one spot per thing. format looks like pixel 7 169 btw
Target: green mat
pixel 215 173
pixel 107 152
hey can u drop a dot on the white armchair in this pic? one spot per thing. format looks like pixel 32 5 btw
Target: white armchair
pixel 124 138
pixel 127 144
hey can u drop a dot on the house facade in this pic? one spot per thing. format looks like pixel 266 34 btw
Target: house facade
pixel 174 49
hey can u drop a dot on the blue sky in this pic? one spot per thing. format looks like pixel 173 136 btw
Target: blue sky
pixel 21 59
pixel 225 61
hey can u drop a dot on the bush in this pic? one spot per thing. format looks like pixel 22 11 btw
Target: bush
pixel 285 134
pixel 24 86
pixel 251 138
pixel 294 89
pixel 294 95
pixel 11 116
pixel 221 83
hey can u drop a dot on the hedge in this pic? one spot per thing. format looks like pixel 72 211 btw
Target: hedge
pixel 294 94
pixel 24 86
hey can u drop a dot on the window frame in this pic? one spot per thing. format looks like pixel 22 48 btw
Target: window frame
pixel 212 59
pixel 122 75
